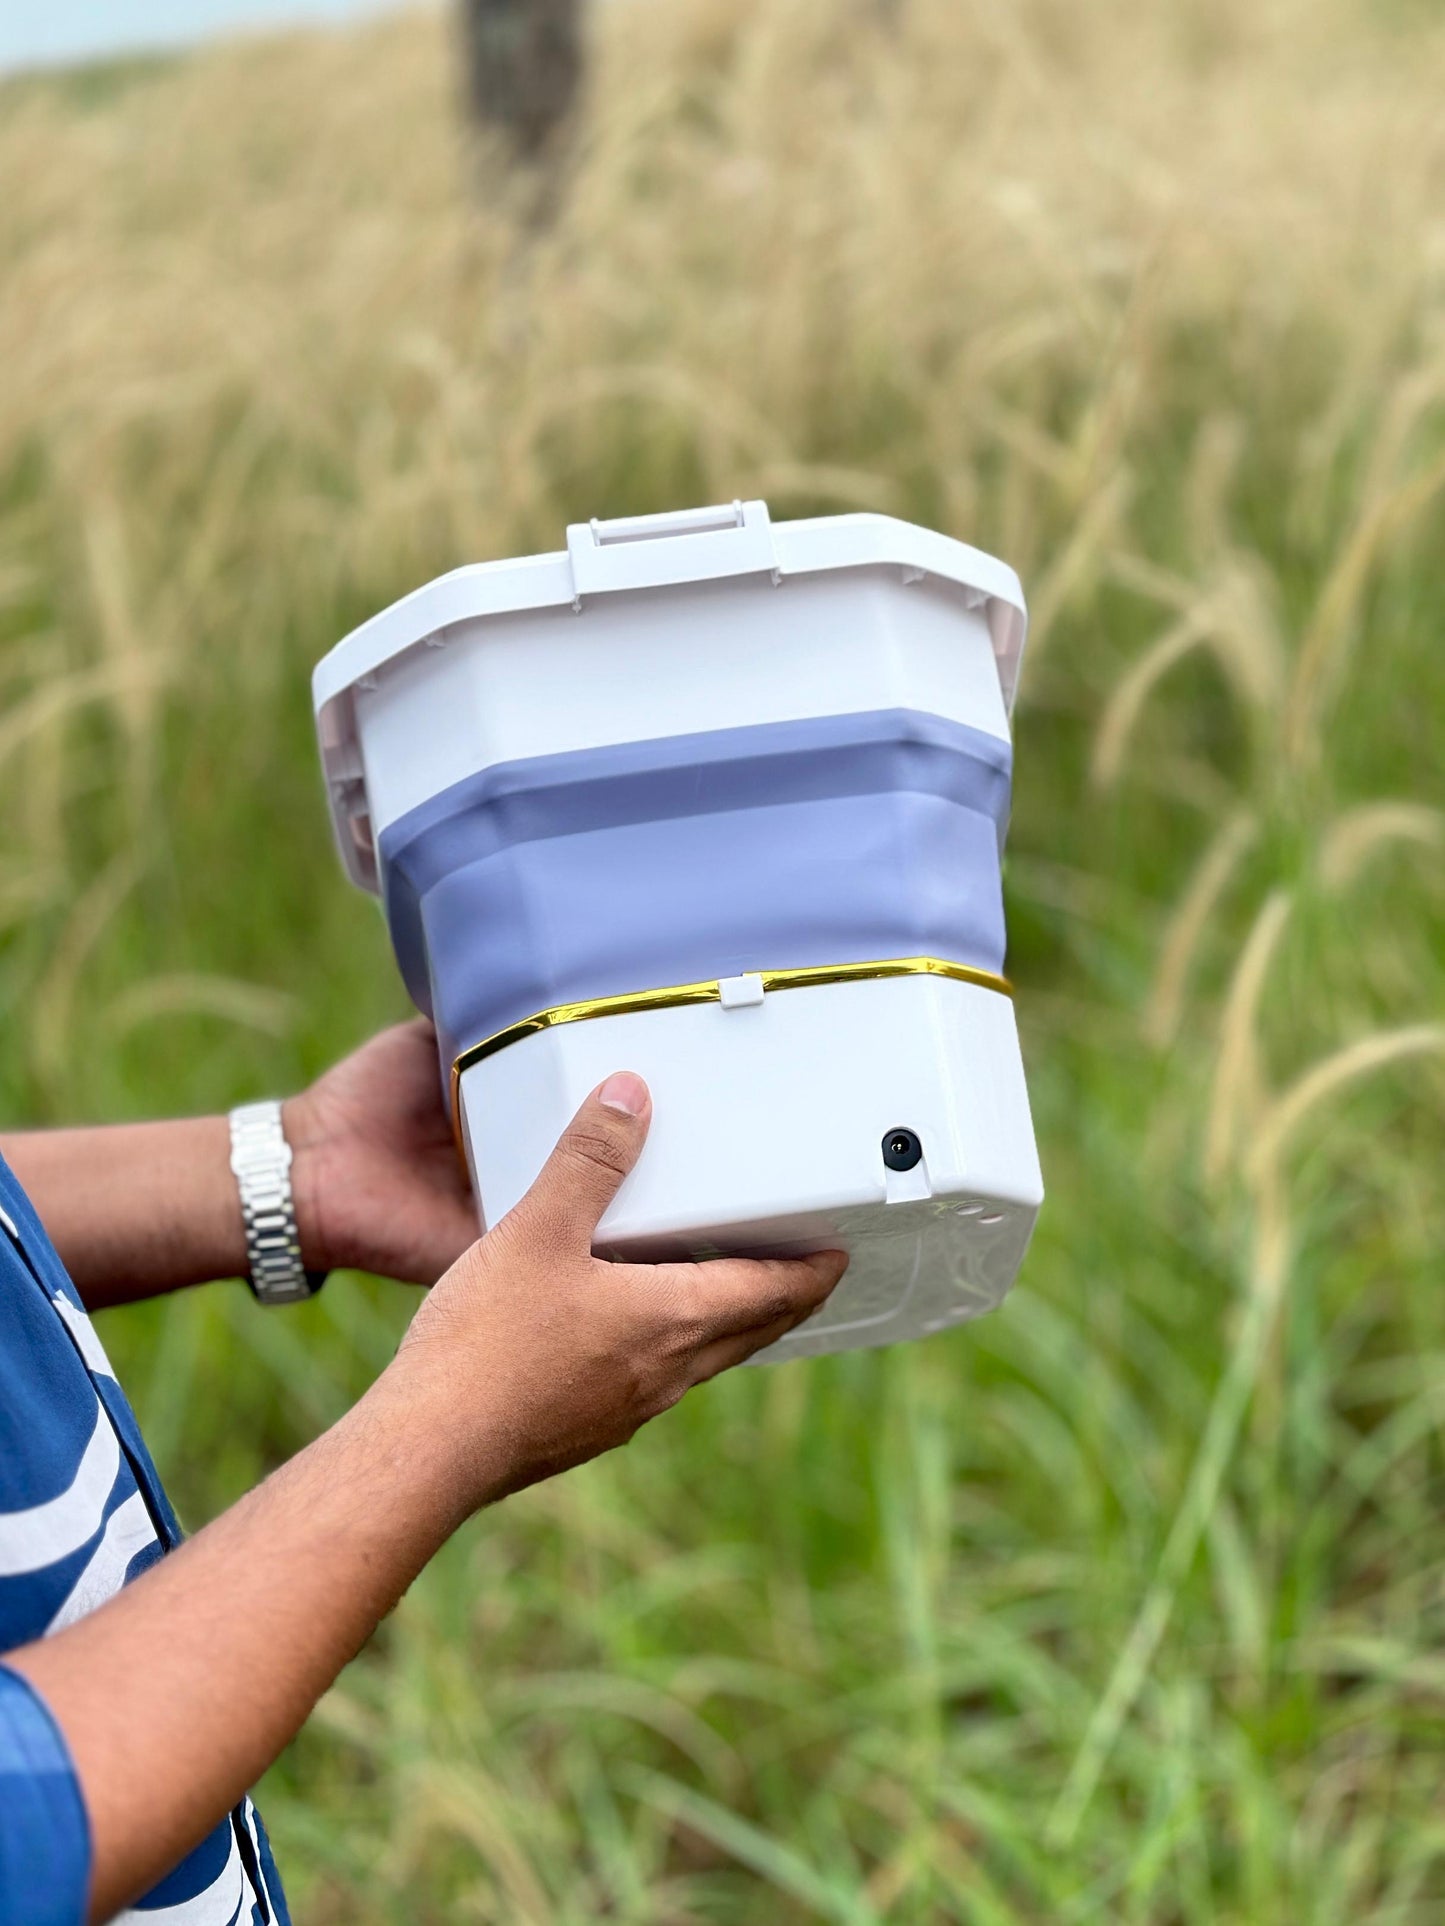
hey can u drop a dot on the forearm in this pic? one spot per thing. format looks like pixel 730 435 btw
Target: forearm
pixel 177 1695
pixel 135 1209
pixel 529 1355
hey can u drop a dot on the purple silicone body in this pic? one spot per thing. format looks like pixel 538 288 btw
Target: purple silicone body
pixel 835 839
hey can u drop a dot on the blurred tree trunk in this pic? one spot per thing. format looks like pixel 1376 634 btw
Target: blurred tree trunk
pixel 524 71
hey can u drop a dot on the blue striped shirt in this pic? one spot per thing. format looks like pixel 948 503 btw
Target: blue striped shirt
pixel 82 1513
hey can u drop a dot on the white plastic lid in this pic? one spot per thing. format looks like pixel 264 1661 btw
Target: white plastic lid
pixel 645 552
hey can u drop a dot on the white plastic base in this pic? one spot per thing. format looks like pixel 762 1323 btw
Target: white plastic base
pixel 768 1124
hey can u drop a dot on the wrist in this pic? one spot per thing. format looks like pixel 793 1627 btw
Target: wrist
pixel 197 1170
pixel 453 1434
pixel 323 1248
pixel 178 1174
pixel 448 1466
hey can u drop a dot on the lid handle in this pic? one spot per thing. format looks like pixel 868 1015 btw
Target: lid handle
pixel 656 551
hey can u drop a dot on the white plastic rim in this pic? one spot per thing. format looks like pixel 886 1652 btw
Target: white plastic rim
pixel 708 619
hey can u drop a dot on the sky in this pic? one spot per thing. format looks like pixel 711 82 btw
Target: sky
pixel 38 33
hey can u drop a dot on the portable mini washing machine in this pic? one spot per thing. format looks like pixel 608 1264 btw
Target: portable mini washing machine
pixel 723 802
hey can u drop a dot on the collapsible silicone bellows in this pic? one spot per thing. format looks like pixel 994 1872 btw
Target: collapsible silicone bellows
pixel 723 802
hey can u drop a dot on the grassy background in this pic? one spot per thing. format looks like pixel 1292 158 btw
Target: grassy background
pixel 1128 1603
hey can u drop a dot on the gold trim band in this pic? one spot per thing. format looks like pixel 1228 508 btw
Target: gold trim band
pixel 676 995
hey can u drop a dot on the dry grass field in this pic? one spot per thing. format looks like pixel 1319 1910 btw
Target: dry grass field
pixel 1127 1604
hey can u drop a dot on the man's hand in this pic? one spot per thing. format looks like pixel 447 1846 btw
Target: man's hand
pixel 378 1180
pixel 530 1355
pixel 136 1209
pixel 536 1355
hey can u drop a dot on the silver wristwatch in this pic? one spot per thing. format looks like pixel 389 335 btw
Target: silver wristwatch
pixel 261 1160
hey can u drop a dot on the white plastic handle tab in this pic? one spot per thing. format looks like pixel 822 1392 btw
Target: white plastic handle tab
pixel 657 551
pixel 684 521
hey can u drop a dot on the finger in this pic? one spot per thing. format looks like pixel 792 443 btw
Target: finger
pixel 595 1153
pixel 723 1353
pixel 730 1295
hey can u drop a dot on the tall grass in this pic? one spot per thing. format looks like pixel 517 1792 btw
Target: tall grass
pixel 1126 1604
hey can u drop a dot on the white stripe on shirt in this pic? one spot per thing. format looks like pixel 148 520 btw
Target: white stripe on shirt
pixel 42 1534
pixel 218 1905
pixel 87 1339
pixel 248 1812
pixel 127 1531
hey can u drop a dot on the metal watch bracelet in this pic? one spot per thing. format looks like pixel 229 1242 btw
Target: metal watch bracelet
pixel 261 1162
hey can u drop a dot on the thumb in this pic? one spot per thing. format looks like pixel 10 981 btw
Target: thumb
pixel 596 1151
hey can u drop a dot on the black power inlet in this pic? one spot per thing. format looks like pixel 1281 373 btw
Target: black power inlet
pixel 901 1150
